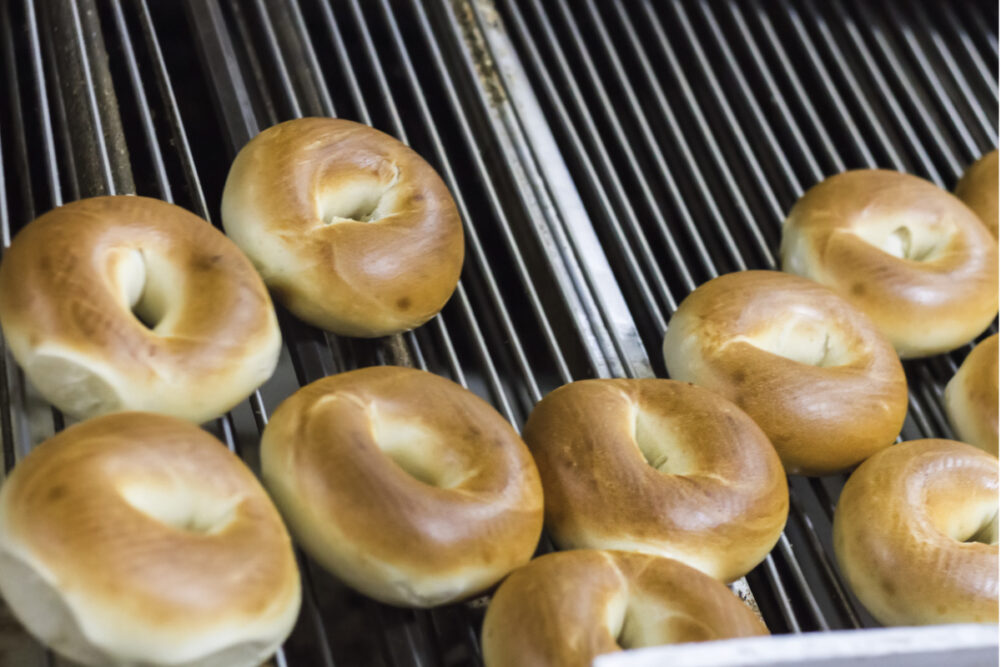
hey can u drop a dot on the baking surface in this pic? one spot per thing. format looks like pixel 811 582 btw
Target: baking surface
pixel 606 156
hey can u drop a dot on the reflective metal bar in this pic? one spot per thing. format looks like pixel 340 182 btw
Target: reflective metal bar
pixel 803 100
pixel 581 109
pixel 546 193
pixel 723 46
pixel 42 100
pixel 764 250
pixel 476 154
pixel 902 122
pixel 179 135
pixel 945 104
pixel 555 101
pixel 472 235
pixel 988 79
pixel 142 103
pixel 345 62
pixel 774 208
pixel 90 92
pixel 288 94
pixel 640 115
pixel 985 120
pixel 7 404
pixel 313 68
pixel 612 116
pixel 847 75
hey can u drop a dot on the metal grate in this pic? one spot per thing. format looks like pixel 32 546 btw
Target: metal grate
pixel 690 128
pixel 140 120
pixel 606 157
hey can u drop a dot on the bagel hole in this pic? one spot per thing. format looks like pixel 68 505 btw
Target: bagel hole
pixel 358 202
pixel 359 210
pixel 181 507
pixel 986 533
pixel 147 316
pixel 805 341
pixel 418 453
pixel 657 442
pixel 969 518
pixel 144 282
pixel 647 623
pixel 917 242
pixel 130 276
pixel 898 243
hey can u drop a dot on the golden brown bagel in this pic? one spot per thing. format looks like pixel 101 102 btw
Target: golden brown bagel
pixel 916 534
pixel 971 397
pixel 352 230
pixel 137 538
pixel 564 609
pixel 910 255
pixel 661 467
pixel 810 369
pixel 72 280
pixel 409 488
pixel 979 190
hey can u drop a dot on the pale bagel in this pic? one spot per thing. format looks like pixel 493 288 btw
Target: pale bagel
pixel 910 255
pixel 971 397
pixel 403 484
pixel 978 188
pixel 75 283
pixel 916 534
pixel 139 539
pixel 811 370
pixel 352 230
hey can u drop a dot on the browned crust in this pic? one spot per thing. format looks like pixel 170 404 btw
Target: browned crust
pixel 719 504
pixel 978 188
pixel 971 397
pixel 820 419
pixel 890 539
pixel 53 284
pixel 56 292
pixel 566 608
pixel 63 510
pixel 352 278
pixel 363 516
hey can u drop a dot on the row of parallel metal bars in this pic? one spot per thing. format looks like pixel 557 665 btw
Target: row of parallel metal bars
pixel 692 127
pixel 688 129
pixel 124 125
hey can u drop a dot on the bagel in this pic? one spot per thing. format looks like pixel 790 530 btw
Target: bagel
pixel 129 303
pixel 352 230
pixel 916 534
pixel 139 539
pixel 978 188
pixel 567 608
pixel 910 255
pixel 971 397
pixel 661 467
pixel 811 370
pixel 403 484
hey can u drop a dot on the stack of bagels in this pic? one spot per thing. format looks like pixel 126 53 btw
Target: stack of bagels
pixel 135 537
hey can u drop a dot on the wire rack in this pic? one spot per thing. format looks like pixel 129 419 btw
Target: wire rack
pixel 606 157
